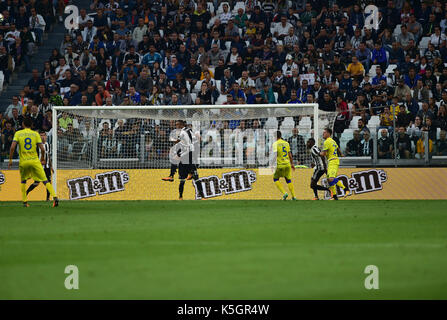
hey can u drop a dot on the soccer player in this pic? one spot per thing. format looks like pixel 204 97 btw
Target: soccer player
pixel 174 137
pixel 331 151
pixel 320 167
pixel 29 165
pixel 284 165
pixel 187 150
pixel 46 167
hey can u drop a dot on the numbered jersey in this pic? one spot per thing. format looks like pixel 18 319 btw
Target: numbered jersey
pixel 282 149
pixel 27 140
pixel 331 147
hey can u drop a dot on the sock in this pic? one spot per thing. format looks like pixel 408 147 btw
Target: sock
pixel 32 187
pixel 279 186
pixel 340 184
pixel 173 170
pixel 181 187
pixel 48 195
pixel 291 188
pixel 333 189
pixel 315 191
pixel 23 188
pixel 200 189
pixel 50 189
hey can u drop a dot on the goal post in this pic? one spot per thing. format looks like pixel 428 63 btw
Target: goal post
pixel 122 152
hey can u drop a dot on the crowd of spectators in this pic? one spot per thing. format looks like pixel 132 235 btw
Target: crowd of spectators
pixel 182 52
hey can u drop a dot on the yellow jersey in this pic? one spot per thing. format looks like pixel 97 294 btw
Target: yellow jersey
pixel 27 140
pixel 282 149
pixel 331 148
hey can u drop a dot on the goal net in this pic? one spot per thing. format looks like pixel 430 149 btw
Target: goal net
pixel 124 152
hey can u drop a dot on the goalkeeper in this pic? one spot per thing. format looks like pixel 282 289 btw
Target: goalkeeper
pixel 284 165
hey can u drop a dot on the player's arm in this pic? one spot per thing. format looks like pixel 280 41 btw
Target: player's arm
pixel 11 153
pixel 291 160
pixel 42 153
pixel 340 154
pixel 323 153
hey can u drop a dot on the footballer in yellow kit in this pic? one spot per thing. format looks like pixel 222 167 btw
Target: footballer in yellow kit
pixel 30 166
pixel 284 165
pixel 331 151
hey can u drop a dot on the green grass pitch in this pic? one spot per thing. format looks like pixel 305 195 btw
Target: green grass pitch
pixel 224 249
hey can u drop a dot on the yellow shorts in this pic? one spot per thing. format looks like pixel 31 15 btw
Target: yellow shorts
pixel 332 168
pixel 285 172
pixel 32 169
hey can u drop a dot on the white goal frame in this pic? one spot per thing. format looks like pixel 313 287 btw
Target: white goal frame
pixel 173 107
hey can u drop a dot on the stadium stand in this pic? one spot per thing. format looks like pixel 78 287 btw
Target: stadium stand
pixel 184 47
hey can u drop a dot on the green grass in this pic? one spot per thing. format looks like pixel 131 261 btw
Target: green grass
pixel 224 249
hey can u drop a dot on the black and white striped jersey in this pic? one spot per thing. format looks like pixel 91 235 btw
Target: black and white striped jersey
pixel 47 157
pixel 320 163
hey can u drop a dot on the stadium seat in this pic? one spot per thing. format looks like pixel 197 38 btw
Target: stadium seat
pixel 288 122
pixel 345 137
pixel 209 7
pixel 423 44
pixel 211 22
pixel 276 96
pixel 2 79
pixel 438 133
pixel 220 8
pixel 221 99
pixel 374 122
pixel 372 70
pixel 271 123
pixel 193 97
pixel 237 6
pixel 218 84
pixel 390 69
pixel 196 88
pixel 354 122
pixel 305 121
pixel 420 105
pixel 228 45
pixel 397 31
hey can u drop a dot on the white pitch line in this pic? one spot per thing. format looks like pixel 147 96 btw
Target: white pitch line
pixel 217 243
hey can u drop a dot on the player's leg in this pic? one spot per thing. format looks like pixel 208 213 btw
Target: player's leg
pixel 314 183
pixel 183 173
pixel 278 174
pixel 288 177
pixel 195 176
pixel 32 187
pixel 24 170
pixel 171 174
pixel 39 175
pixel 337 182
pixel 48 175
pixel 331 175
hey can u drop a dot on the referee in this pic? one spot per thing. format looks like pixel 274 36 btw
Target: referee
pixel 319 165
pixel 46 167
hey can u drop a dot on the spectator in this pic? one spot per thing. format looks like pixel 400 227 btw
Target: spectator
pixel 297 146
pixel 420 147
pixel 353 145
pixel 366 145
pixel 384 145
pixel 356 68
pixel 363 129
pixel 441 144
pixel 37 25
pixel 403 144
pixel 425 113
